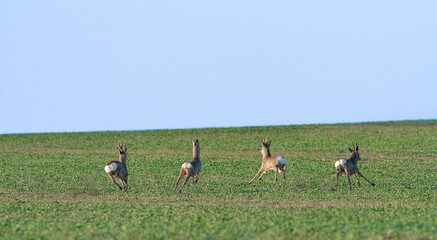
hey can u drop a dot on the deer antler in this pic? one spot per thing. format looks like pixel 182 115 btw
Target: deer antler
pixel 120 146
pixel 266 141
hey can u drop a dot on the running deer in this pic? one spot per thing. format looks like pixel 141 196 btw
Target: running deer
pixel 270 163
pixel 190 169
pixel 349 167
pixel 118 169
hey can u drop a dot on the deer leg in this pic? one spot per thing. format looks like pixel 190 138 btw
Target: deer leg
pixel 125 187
pixel 336 181
pixel 283 172
pixel 358 181
pixel 256 175
pixel 186 179
pixel 276 173
pixel 122 183
pixel 349 179
pixel 177 182
pixel 112 178
pixel 361 175
pixel 197 177
pixel 125 182
pixel 262 175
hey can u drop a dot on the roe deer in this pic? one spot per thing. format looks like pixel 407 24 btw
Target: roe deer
pixel 269 163
pixel 192 168
pixel 118 169
pixel 349 167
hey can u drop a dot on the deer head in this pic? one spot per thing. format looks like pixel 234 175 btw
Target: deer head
pixel 265 149
pixel 122 151
pixel 266 142
pixel 196 148
pixel 354 151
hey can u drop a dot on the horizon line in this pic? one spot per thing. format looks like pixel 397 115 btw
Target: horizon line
pixel 210 127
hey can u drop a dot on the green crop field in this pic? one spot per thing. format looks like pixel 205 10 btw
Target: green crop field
pixel 54 186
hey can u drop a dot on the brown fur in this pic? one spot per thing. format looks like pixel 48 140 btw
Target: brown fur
pixel 190 172
pixel 269 163
pixel 350 168
pixel 121 172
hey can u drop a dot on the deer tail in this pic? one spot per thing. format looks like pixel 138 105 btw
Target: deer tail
pixel 188 167
pixel 111 167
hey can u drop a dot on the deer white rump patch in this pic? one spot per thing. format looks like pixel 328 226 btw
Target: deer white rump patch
pixel 187 165
pixel 282 160
pixel 340 162
pixel 111 167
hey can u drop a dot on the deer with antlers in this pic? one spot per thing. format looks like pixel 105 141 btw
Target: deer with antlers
pixel 349 167
pixel 118 169
pixel 192 168
pixel 270 163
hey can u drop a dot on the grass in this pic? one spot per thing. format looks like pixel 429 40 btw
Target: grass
pixel 54 186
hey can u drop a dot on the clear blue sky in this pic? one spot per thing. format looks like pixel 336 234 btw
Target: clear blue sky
pixel 130 65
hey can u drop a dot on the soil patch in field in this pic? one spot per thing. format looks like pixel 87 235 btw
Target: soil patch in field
pixel 185 201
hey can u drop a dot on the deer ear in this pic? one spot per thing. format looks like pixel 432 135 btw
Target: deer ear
pixel 350 150
pixel 357 148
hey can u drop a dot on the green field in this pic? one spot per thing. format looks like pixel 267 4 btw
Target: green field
pixel 53 185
